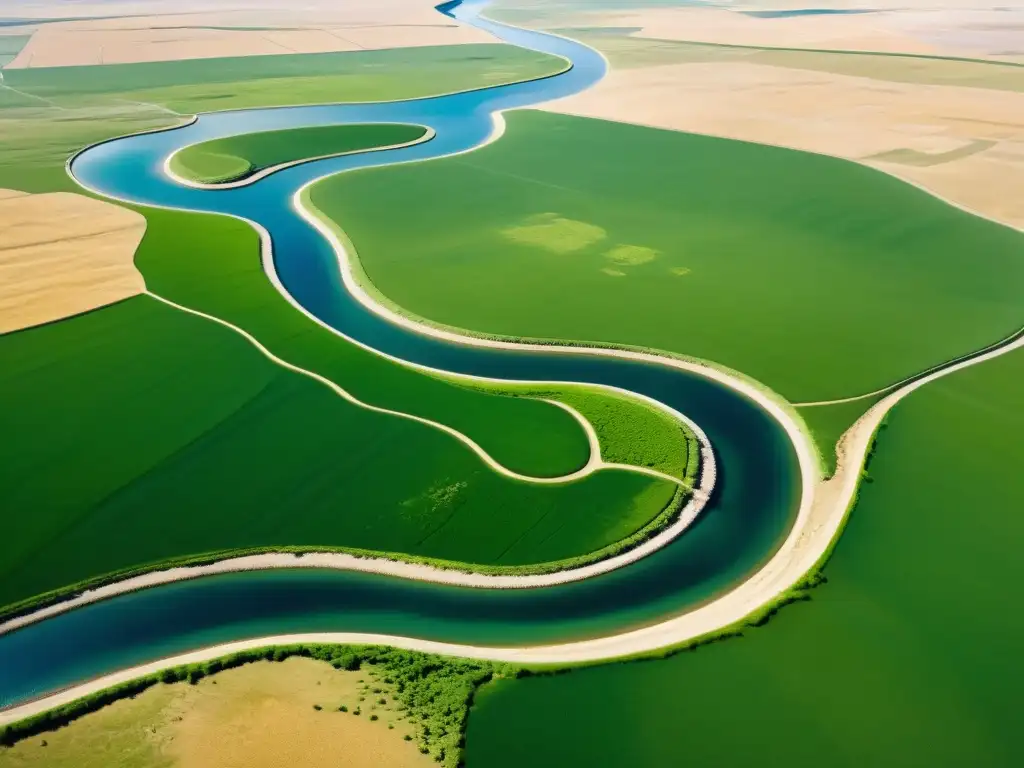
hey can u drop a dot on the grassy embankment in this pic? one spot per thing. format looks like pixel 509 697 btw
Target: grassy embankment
pixel 131 415
pixel 675 246
pixel 908 656
pixel 232 159
pixel 426 696
pixel 629 432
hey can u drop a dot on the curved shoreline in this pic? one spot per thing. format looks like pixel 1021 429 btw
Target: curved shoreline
pixel 428 134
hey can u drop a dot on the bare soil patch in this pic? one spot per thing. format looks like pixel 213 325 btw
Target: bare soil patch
pixel 62 254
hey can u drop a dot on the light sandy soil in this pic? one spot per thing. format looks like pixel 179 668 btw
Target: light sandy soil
pixel 853 117
pixel 262 716
pixel 972 33
pixel 257 716
pixel 62 254
pixel 192 31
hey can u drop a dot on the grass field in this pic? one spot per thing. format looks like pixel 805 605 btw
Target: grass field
pixel 56 111
pixel 154 420
pixel 828 423
pixel 238 157
pixel 908 656
pixel 212 264
pixel 675 245
pixel 203 85
pixel 629 432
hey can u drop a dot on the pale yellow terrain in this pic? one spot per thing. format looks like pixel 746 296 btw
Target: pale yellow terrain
pixel 974 33
pixel 62 254
pixel 258 716
pixel 965 144
pixel 943 27
pixel 191 30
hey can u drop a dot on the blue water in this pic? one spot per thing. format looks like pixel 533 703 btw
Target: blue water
pixel 751 511
pixel 807 12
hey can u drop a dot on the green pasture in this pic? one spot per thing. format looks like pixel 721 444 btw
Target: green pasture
pixel 909 655
pixel 57 111
pixel 212 264
pixel 819 277
pixel 628 430
pixel 237 157
pixel 206 85
pixel 138 433
pixel 828 423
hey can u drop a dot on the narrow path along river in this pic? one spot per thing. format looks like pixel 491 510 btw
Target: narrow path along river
pixel 762 477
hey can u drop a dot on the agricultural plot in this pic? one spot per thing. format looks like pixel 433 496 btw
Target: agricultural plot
pixel 239 157
pixel 910 640
pixel 203 85
pixel 838 282
pixel 153 418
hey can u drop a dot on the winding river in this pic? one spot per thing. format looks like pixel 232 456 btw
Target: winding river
pixel 757 494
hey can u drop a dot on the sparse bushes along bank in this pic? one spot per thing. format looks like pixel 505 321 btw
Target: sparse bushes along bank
pixel 435 691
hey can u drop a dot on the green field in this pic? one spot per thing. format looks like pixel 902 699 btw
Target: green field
pixel 238 157
pixel 908 656
pixel 629 432
pixel 674 246
pixel 153 420
pixel 57 111
pixel 212 264
pixel 828 423
pixel 204 85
